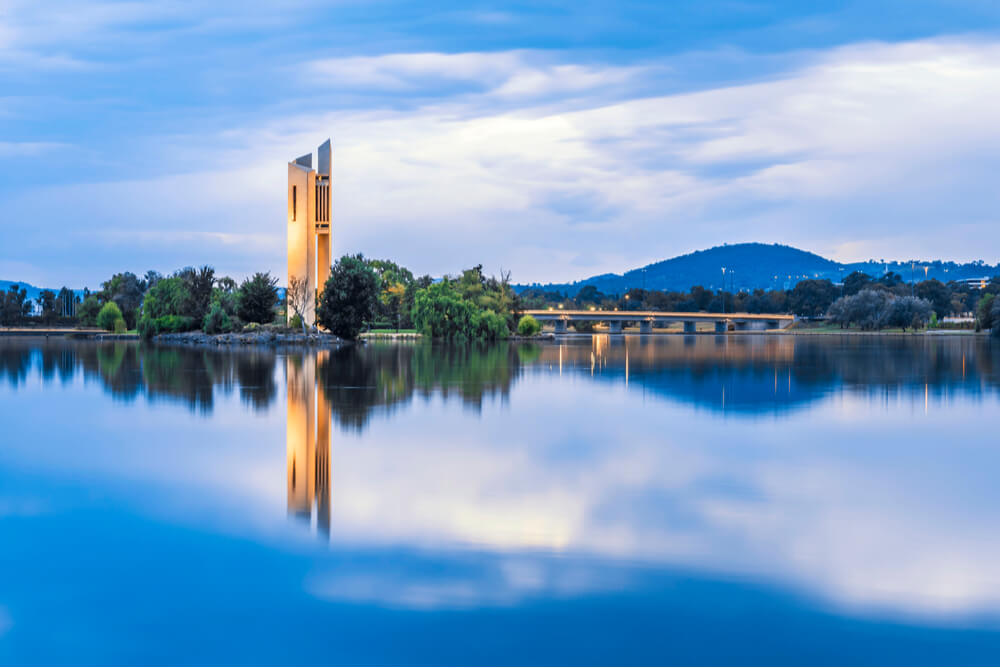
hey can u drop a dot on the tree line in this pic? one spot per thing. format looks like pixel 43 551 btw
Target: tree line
pixel 860 300
pixel 363 294
pixel 359 294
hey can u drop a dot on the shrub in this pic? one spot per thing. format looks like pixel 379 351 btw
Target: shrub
pixel 349 297
pixel 217 321
pixel 119 326
pixel 584 326
pixel 257 298
pixel 107 316
pixel 295 322
pixel 528 326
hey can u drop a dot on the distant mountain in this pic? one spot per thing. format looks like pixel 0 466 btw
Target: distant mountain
pixel 756 265
pixel 32 290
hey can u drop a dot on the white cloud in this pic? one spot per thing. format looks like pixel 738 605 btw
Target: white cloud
pixel 872 148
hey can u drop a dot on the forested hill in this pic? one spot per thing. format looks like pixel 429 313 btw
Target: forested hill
pixel 756 265
pixel 30 289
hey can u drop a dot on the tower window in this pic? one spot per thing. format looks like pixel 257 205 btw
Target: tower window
pixel 295 198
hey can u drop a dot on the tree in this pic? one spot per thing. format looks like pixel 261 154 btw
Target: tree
pixel 169 296
pixel 938 294
pixel 589 294
pixel 108 315
pixel 47 300
pixel 349 297
pixel 298 296
pixel 152 277
pixel 15 306
pixel 440 312
pixel 908 312
pixel 868 309
pixel 812 297
pixel 528 326
pixel 257 298
pixel 855 282
pixel 88 310
pixel 126 290
pixel 995 313
pixel 199 284
pixel 984 312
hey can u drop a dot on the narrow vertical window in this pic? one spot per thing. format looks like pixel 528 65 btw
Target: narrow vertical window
pixel 295 198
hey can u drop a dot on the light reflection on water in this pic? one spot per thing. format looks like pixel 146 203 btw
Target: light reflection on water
pixel 453 497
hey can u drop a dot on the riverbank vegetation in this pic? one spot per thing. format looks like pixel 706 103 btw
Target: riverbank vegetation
pixel 364 294
pixel 888 301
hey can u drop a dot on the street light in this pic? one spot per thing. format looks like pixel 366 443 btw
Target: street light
pixel 723 289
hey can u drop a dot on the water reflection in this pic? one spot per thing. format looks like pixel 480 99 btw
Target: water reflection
pixel 746 374
pixel 703 476
pixel 308 440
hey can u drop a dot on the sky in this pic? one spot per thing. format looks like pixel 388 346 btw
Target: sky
pixel 556 140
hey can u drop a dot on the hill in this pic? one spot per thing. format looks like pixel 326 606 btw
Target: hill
pixel 32 290
pixel 756 265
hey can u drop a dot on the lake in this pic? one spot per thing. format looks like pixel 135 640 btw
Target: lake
pixel 628 500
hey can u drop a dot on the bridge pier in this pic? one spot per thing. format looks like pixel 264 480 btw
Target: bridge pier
pixel 645 326
pixel 560 326
pixel 690 327
pixel 615 327
pixel 721 327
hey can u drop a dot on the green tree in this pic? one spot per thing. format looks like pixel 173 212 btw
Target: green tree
pixel 812 297
pixel 938 294
pixel 440 312
pixel 199 283
pixel 15 306
pixel 217 321
pixel 528 326
pixel 126 290
pixel 170 296
pixel 995 318
pixel 349 297
pixel 908 312
pixel 87 312
pixel 984 311
pixel 47 300
pixel 258 296
pixel 107 316
pixel 855 282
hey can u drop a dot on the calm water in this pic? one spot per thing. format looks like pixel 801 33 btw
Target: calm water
pixel 632 500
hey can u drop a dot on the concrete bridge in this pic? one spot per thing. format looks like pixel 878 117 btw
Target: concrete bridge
pixel 616 319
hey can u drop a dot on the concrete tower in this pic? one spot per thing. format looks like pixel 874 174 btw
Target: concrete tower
pixel 310 239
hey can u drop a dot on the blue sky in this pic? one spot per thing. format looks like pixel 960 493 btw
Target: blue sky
pixel 554 139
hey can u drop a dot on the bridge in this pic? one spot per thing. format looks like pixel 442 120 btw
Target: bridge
pixel 647 319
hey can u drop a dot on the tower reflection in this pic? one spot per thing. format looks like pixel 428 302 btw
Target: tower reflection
pixel 308 440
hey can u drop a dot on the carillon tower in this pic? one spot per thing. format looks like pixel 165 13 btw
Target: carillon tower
pixel 310 239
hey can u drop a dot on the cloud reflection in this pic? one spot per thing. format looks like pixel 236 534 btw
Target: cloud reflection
pixel 851 469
